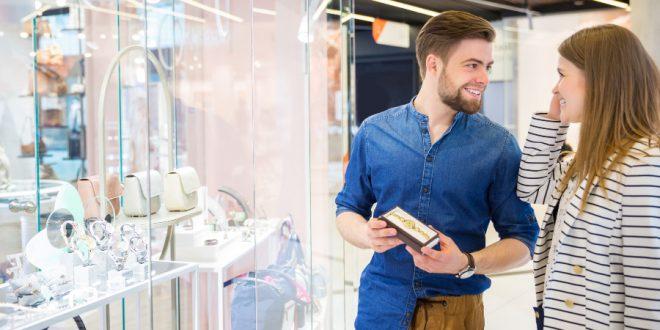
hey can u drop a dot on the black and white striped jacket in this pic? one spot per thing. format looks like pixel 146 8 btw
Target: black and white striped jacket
pixel 606 272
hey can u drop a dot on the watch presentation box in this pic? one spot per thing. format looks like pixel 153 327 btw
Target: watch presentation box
pixel 410 230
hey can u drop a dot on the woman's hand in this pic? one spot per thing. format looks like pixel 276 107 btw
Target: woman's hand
pixel 554 112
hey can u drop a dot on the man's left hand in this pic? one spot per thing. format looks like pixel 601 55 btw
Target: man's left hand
pixel 448 260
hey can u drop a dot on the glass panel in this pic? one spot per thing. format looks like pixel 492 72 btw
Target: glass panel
pixel 20 213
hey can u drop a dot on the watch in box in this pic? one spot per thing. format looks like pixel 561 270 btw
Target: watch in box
pixel 410 230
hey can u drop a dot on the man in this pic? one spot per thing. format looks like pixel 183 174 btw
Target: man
pixel 451 168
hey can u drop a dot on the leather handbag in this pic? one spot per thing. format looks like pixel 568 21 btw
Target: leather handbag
pixel 136 196
pixel 27 149
pixel 181 189
pixel 48 82
pixel 88 188
pixel 4 169
pixel 52 117
pixel 43 28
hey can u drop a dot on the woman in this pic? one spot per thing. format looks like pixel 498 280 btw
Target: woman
pixel 597 259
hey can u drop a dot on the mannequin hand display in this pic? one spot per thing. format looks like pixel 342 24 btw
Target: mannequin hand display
pixel 448 260
pixel 380 238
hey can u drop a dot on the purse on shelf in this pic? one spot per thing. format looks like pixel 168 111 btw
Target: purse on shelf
pixel 52 117
pixel 88 189
pixel 27 149
pixel 48 82
pixel 136 197
pixel 181 189
pixel 27 142
pixel 43 28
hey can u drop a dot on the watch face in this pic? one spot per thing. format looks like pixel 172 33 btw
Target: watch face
pixel 466 274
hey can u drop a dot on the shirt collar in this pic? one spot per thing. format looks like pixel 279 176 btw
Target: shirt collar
pixel 422 118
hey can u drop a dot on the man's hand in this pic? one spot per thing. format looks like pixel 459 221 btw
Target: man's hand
pixel 380 238
pixel 449 260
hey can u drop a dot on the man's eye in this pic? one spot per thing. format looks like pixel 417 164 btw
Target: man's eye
pixel 472 66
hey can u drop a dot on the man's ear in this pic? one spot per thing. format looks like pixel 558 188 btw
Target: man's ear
pixel 433 64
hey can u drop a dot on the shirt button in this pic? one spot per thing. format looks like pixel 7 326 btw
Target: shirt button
pixel 424 131
pixel 577 269
pixel 429 158
pixel 569 303
pixel 425 190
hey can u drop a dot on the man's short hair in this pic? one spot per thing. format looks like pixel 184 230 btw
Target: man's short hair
pixel 445 30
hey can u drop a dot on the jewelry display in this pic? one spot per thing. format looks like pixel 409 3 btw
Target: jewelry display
pixel 102 232
pixel 210 242
pixel 77 240
pixel 140 249
pixel 138 246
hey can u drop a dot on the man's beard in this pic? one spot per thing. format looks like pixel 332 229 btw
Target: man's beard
pixel 455 100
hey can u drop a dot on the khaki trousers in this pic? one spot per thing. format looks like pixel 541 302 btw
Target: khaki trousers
pixel 449 313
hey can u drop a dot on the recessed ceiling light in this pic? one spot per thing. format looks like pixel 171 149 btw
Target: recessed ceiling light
pixel 615 3
pixel 406 6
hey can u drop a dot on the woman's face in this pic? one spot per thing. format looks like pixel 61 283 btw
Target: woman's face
pixel 571 90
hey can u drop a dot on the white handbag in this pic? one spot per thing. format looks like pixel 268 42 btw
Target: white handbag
pixel 136 199
pixel 181 189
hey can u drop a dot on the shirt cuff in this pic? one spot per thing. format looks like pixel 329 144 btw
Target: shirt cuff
pixel 344 209
pixel 530 244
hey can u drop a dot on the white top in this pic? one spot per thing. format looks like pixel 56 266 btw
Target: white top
pixel 559 223
pixel 605 272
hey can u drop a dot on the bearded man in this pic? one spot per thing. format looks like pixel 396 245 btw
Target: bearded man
pixel 452 168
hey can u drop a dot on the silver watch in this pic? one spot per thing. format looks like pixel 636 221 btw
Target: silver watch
pixel 468 271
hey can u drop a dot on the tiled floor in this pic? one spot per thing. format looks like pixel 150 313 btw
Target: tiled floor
pixel 508 303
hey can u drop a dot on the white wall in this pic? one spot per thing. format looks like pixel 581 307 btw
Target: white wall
pixel 537 59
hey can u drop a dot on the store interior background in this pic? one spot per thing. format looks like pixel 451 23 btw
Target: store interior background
pixel 268 107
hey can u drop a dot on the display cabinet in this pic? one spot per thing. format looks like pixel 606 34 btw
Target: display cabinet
pixel 171 164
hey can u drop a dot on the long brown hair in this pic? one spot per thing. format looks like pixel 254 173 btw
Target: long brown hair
pixel 621 104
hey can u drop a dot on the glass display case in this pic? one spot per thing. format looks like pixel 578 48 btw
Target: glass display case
pixel 172 163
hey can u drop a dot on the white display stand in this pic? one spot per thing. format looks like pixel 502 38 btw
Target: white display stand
pixel 238 257
pixel 162 271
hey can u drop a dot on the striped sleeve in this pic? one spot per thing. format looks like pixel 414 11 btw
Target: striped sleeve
pixel 640 231
pixel 539 170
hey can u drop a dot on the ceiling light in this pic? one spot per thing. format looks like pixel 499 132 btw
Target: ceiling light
pixel 212 10
pixel 363 18
pixel 137 4
pixel 320 9
pixel 264 11
pixel 106 11
pixel 350 16
pixel 505 7
pixel 412 8
pixel 615 3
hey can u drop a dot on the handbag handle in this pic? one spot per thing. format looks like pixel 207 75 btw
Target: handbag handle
pixel 100 122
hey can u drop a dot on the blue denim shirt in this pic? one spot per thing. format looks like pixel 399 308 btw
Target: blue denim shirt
pixel 458 185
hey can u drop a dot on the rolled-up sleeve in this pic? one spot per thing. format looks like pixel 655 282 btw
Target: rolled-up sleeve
pixel 511 217
pixel 357 195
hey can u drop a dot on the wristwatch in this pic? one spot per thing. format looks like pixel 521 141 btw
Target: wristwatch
pixel 468 271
